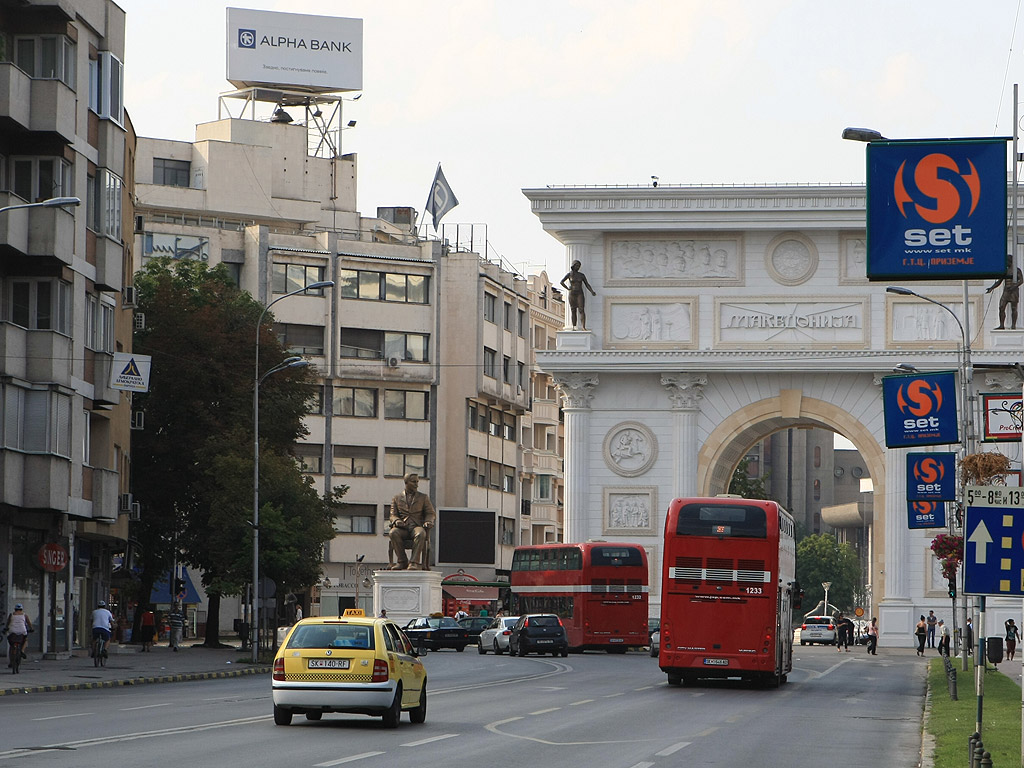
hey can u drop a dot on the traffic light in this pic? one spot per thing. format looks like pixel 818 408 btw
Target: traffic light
pixel 179 585
pixel 952 588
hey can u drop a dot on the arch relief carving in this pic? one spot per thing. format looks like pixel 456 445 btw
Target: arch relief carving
pixel 791 259
pixel 630 449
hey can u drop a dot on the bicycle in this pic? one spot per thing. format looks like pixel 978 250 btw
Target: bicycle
pixel 99 651
pixel 14 650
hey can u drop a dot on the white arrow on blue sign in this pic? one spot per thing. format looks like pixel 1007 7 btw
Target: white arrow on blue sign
pixel 994 546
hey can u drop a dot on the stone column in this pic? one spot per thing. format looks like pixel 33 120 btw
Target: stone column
pixel 576 389
pixel 685 391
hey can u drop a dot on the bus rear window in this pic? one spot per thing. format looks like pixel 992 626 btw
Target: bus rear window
pixel 725 520
pixel 615 556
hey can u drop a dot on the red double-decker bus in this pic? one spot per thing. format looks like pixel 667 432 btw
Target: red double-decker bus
pixel 599 589
pixel 728 590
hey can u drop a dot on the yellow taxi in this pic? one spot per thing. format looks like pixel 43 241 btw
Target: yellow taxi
pixel 351 663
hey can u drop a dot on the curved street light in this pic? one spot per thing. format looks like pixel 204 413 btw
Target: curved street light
pixel 53 202
pixel 290 362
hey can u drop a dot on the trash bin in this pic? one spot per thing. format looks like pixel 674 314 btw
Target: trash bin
pixel 994 649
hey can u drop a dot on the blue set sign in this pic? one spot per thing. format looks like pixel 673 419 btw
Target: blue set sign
pixel 931 477
pixel 920 409
pixel 936 209
pixel 926 514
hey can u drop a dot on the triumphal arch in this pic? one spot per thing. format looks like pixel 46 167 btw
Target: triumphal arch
pixel 723 315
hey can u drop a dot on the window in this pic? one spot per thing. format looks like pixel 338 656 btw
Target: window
pixel 40 178
pixel 355 401
pixel 490 307
pixel 35 420
pixel 103 203
pixel 355 460
pixel 389 286
pixel 171 173
pixel 41 305
pixel 399 462
pixel 490 363
pixel 356 518
pixel 494 423
pixel 508 316
pixel 522 323
pixel 506 369
pixel 508 426
pixel 294 277
pixel 373 345
pixel 310 458
pixel 520 375
pixel 49 57
pixel 99 325
pixel 405 404
pixel 177 247
pixel 316 402
pixel 106 85
pixel 301 339
pixel 508 480
pixel 507 531
pixel 543 487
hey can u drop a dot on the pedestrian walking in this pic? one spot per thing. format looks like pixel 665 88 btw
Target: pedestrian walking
pixel 921 633
pixel 932 623
pixel 844 633
pixel 383 613
pixel 873 637
pixel 969 635
pixel 1012 636
pixel 176 621
pixel 461 614
pixel 943 638
pixel 147 626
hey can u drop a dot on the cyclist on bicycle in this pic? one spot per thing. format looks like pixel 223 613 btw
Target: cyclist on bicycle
pixel 17 628
pixel 102 622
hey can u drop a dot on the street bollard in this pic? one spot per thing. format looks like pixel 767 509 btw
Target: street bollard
pixel 979 752
pixel 972 742
pixel 986 760
pixel 950 677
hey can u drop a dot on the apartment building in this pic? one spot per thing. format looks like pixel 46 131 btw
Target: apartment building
pixel 65 442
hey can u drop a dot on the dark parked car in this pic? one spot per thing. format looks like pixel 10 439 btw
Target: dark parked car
pixel 474 625
pixel 538 633
pixel 436 632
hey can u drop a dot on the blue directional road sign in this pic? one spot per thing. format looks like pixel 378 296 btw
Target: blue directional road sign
pixel 994 545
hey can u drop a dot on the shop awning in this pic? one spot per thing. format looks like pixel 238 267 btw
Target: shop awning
pixel 471 594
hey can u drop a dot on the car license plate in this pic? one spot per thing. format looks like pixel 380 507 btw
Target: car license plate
pixel 614 639
pixel 545 641
pixel 717 662
pixel 327 663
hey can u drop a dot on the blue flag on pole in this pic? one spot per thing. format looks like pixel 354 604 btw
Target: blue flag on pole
pixel 441 198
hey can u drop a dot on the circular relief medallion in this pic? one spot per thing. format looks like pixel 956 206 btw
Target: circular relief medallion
pixel 791 259
pixel 630 449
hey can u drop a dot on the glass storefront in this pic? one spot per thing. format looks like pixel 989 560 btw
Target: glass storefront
pixel 27 586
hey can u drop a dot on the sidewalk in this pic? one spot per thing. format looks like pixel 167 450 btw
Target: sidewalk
pixel 127 665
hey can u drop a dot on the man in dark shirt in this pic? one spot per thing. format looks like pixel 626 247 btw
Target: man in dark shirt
pixel 844 633
pixel 176 621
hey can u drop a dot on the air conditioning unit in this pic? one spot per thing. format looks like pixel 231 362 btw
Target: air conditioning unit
pixel 393 362
pixel 124 502
pixel 129 296
pixel 140 321
pixel 135 513
pixel 138 419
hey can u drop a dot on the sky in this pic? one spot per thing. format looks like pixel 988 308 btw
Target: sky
pixel 519 94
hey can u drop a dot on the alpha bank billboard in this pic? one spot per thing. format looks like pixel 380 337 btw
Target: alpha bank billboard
pixel 936 209
pixel 320 54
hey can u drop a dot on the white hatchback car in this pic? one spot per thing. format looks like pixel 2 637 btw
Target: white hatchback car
pixel 495 637
pixel 818 629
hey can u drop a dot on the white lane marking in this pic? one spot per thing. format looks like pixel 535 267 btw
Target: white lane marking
pixel 642 765
pixel 612 695
pixel 815 675
pixel 148 706
pixel 577 703
pixel 363 756
pixel 60 717
pixel 545 711
pixel 673 749
pixel 432 738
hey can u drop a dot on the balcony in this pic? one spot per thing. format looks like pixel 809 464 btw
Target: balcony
pixel 13 224
pixel 49 356
pixel 105 496
pixel 13 351
pixel 44 482
pixel 15 95
pixel 53 109
pixel 111 146
pixel 545 412
pixel 51 232
pixel 109 264
pixel 103 393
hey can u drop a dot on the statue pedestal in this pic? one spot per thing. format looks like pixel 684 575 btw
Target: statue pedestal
pixel 407 594
pixel 571 340
pixel 1007 339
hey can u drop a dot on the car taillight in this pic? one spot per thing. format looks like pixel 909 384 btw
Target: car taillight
pixel 279 669
pixel 380 671
pixel 507 632
pixel 560 623
pixel 830 626
pixel 803 626
pixel 526 623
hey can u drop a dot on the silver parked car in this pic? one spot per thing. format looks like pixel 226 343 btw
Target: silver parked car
pixel 495 637
pixel 818 629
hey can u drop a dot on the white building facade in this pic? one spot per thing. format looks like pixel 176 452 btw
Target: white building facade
pixel 724 315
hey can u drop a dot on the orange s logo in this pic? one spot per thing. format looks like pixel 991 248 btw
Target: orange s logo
pixel 928 470
pixel 941 193
pixel 920 398
pixel 924 508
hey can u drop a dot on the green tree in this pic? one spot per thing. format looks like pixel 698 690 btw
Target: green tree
pixel 746 486
pixel 819 558
pixel 192 464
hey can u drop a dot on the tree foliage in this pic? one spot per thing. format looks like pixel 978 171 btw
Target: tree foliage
pixel 192 464
pixel 819 558
pixel 746 486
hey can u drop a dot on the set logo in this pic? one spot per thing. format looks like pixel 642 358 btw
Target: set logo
pixel 929 470
pixel 942 188
pixel 924 509
pixel 246 38
pixel 926 514
pixel 931 476
pixel 922 400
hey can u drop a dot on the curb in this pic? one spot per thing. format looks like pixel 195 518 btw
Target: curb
pixel 180 678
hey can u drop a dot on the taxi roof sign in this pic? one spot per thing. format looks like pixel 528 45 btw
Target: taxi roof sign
pixel 354 612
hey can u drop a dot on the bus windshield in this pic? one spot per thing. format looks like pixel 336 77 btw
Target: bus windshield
pixel 723 520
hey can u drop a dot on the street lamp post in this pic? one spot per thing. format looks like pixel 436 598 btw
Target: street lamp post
pixel 53 202
pixel 291 362
pixel 825 585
